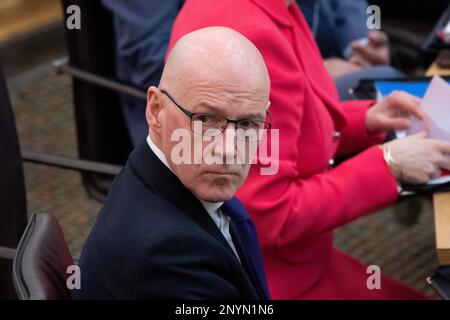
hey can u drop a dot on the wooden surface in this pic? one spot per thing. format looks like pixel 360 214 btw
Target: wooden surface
pixel 434 70
pixel 441 202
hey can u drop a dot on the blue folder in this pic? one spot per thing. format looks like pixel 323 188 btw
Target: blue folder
pixel 416 88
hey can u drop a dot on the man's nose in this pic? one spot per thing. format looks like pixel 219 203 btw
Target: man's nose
pixel 229 145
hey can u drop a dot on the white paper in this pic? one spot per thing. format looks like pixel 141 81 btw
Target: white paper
pixel 436 104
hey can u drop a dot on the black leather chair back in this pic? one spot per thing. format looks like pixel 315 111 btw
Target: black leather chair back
pixel 42 258
pixel 13 211
pixel 101 129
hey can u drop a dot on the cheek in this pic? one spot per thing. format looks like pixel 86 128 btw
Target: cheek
pixel 173 134
pixel 245 170
pixel 168 129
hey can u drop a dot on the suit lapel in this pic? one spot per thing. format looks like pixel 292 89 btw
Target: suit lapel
pixel 163 182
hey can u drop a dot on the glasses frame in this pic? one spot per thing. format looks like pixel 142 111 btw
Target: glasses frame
pixel 191 114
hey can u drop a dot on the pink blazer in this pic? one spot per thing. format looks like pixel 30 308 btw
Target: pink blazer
pixel 296 210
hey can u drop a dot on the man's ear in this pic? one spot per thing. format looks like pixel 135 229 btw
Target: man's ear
pixel 154 107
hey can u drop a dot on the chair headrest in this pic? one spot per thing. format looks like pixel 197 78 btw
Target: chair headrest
pixel 42 258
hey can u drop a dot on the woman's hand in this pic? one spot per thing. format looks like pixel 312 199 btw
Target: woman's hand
pixel 375 52
pixel 417 159
pixel 393 113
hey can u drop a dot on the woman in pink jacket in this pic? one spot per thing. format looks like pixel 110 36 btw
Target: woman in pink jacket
pixel 296 209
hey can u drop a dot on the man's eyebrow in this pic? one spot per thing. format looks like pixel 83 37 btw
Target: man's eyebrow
pixel 247 116
pixel 203 104
pixel 253 116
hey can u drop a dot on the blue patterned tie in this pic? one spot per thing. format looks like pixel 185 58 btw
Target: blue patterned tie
pixel 247 233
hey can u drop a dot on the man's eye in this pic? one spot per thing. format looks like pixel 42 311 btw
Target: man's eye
pixel 206 119
pixel 248 124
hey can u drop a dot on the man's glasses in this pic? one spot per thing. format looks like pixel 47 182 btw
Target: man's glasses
pixel 210 125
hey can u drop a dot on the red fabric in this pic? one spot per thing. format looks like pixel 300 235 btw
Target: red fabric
pixel 296 210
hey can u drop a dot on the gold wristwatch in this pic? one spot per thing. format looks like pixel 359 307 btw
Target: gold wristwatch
pixel 387 155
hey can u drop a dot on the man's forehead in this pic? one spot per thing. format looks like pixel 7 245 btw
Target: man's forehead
pixel 197 74
pixel 235 106
pixel 223 95
pixel 202 91
pixel 216 59
pixel 222 88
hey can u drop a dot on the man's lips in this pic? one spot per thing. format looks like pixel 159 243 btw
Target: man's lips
pixel 228 173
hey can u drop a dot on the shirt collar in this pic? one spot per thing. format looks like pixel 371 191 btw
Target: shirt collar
pixel 211 207
pixel 157 151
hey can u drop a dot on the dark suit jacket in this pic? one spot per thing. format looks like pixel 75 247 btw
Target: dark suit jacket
pixel 154 240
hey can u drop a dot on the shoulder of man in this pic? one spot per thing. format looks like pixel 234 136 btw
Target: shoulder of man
pixel 185 264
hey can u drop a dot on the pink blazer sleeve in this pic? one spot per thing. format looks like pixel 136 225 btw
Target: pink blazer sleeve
pixel 355 136
pixel 288 206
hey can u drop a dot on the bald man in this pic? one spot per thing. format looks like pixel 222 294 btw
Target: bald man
pixel 170 227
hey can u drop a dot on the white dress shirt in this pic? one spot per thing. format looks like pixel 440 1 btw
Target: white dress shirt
pixel 221 220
